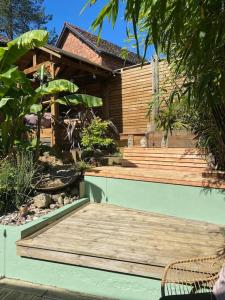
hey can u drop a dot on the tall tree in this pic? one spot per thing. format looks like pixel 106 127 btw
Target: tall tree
pixel 19 16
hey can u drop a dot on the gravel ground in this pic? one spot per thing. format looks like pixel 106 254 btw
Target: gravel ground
pixel 33 213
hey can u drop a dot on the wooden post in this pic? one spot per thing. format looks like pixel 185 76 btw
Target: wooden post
pixel 34 59
pixel 151 126
pixel 155 89
pixel 54 113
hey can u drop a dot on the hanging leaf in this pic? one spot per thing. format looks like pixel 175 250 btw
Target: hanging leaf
pixel 55 87
pixel 21 45
pixel 36 108
pixel 4 101
pixel 76 99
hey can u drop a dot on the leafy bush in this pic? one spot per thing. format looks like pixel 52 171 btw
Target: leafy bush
pixel 96 137
pixel 16 177
pixel 18 97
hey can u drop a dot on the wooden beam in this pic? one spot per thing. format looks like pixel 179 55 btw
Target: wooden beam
pixel 50 52
pixel 36 67
pixel 34 59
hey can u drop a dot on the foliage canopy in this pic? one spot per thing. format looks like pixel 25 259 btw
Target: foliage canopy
pixel 18 17
pixel 18 97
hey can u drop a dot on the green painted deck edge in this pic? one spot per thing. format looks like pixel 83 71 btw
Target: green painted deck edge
pixel 83 280
pixel 187 202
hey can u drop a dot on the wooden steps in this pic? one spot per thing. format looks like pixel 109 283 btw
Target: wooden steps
pixel 178 166
pixel 179 159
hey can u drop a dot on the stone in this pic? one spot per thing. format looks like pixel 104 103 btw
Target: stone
pixel 53 206
pixel 143 142
pixel 55 197
pixel 63 195
pixel 42 200
pixel 60 200
pixel 67 201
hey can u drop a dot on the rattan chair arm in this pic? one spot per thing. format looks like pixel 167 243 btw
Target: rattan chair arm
pixel 191 260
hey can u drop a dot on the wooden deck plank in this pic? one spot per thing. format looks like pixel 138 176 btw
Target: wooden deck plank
pixel 14 295
pixel 122 240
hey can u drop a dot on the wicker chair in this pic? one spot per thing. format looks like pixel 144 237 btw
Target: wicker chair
pixel 190 276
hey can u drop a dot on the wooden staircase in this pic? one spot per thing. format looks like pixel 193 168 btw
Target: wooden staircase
pixel 174 159
pixel 182 166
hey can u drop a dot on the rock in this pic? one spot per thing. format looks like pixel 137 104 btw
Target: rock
pixel 53 206
pixel 63 195
pixel 42 200
pixel 60 200
pixel 55 197
pixel 67 200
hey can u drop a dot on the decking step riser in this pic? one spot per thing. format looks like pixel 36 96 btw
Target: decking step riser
pixel 163 150
pixel 161 167
pixel 164 156
pixel 164 163
pixel 167 159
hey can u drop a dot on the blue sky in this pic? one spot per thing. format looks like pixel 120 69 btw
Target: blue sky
pixel 69 10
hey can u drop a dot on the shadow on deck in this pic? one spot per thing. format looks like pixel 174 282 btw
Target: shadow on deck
pixel 20 290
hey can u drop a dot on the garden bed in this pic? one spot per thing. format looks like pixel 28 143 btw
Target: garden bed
pixel 51 186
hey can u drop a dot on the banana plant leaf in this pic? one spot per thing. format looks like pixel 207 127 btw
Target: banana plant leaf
pixel 86 100
pixel 55 87
pixel 20 46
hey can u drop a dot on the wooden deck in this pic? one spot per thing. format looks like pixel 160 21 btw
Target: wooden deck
pixel 113 238
pixel 164 165
pixel 21 290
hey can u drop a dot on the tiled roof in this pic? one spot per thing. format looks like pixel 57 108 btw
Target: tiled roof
pixel 3 40
pixel 102 45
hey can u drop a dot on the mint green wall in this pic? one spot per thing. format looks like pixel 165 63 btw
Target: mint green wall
pixel 2 252
pixel 176 200
pixel 83 280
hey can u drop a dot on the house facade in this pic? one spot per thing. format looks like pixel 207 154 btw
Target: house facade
pixel 80 42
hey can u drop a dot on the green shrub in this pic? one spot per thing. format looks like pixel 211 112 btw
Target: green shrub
pixel 16 177
pixel 96 137
pixel 82 166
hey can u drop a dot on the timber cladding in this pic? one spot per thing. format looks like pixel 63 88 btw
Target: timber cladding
pixel 130 92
